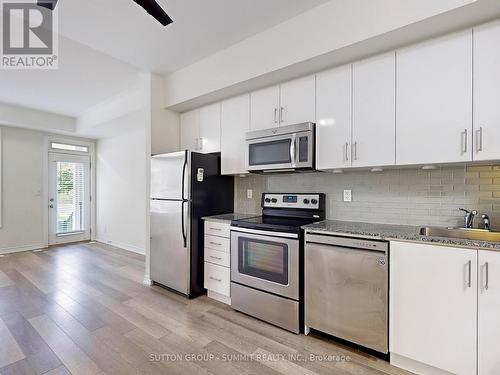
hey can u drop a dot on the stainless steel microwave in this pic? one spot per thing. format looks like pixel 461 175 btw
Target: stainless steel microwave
pixel 284 149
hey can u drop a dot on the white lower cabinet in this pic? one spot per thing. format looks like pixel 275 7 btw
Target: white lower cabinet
pixel 217 279
pixel 489 313
pixel 433 308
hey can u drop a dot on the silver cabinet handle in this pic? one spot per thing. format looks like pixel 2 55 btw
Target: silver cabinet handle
pixel 215 243
pixel 281 113
pixel 487 275
pixel 355 150
pixel 347 151
pixel 217 229
pixel 464 141
pixel 217 258
pixel 213 278
pixel 469 267
pixel 479 139
pixel 275 115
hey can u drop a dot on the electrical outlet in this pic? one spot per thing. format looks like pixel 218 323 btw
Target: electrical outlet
pixel 347 195
pixel 249 193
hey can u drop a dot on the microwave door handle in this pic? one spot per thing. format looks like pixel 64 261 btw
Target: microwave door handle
pixel 293 149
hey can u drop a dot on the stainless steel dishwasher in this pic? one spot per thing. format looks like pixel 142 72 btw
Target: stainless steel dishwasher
pixel 346 289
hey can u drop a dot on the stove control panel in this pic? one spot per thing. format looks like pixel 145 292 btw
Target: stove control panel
pixel 307 201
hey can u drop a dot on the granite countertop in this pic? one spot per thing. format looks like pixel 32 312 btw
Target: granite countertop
pixel 227 218
pixel 393 232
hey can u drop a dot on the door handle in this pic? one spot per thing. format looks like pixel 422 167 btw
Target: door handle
pixel 347 151
pixel 275 115
pixel 183 225
pixel 214 278
pixel 469 268
pixel 356 150
pixel 479 139
pixel 281 113
pixel 464 141
pixel 216 258
pixel 487 275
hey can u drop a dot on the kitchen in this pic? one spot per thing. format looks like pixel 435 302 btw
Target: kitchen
pixel 278 199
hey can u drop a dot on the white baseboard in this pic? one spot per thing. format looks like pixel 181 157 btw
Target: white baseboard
pixel 18 249
pixel 147 280
pixel 124 246
pixel 415 366
pixel 219 297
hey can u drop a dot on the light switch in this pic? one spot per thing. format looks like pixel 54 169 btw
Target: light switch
pixel 347 195
pixel 249 193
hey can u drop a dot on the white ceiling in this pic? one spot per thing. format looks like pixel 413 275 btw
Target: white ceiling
pixel 125 31
pixel 105 44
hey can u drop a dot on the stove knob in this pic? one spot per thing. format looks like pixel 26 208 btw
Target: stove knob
pixel 314 201
pixel 306 201
pixel 274 200
pixel 267 200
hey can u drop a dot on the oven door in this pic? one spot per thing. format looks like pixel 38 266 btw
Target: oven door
pixel 281 152
pixel 267 261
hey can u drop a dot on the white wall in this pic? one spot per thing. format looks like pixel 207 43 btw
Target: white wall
pixel 327 35
pixel 121 187
pixel 23 202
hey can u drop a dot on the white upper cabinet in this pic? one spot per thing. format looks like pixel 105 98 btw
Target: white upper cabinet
pixel 434 101
pixel 210 128
pixel 297 101
pixel 488 313
pixel 333 118
pixel 264 104
pixel 190 130
pixel 374 109
pixel 433 307
pixel 487 92
pixel 235 122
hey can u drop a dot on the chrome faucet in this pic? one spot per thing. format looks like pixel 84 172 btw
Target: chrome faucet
pixel 469 217
pixel 486 221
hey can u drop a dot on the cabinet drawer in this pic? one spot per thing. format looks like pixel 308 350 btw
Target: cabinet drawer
pixel 217 243
pixel 217 257
pixel 217 229
pixel 218 279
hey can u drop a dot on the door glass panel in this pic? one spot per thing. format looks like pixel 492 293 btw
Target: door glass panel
pixel 272 152
pixel 263 259
pixel 70 197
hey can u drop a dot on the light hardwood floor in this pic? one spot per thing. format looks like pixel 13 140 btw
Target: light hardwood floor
pixel 83 309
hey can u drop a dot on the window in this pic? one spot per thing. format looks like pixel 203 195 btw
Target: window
pixel 68 147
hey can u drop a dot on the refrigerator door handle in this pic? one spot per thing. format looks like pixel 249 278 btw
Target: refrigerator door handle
pixel 184 173
pixel 184 235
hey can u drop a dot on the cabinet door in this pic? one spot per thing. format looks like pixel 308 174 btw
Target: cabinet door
pixel 487 92
pixel 297 99
pixel 264 108
pixel 374 111
pixel 210 128
pixel 434 101
pixel 433 305
pixel 333 118
pixel 489 311
pixel 235 122
pixel 190 130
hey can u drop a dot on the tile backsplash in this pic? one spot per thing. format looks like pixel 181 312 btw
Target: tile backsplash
pixel 397 196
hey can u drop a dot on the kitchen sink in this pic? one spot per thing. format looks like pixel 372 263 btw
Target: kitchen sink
pixel 464 233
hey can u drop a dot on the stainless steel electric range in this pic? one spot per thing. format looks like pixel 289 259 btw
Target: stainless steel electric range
pixel 267 258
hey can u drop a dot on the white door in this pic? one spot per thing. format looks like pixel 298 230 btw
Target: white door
pixel 190 130
pixel 433 305
pixel 264 108
pixel 489 311
pixel 333 118
pixel 297 101
pixel 69 198
pixel 374 110
pixel 210 128
pixel 487 92
pixel 434 101
pixel 235 122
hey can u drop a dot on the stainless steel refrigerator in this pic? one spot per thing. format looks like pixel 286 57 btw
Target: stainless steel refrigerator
pixel 185 186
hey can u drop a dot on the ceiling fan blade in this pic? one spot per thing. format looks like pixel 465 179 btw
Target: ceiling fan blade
pixel 49 4
pixel 155 10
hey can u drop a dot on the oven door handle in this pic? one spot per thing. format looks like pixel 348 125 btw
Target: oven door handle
pixel 265 232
